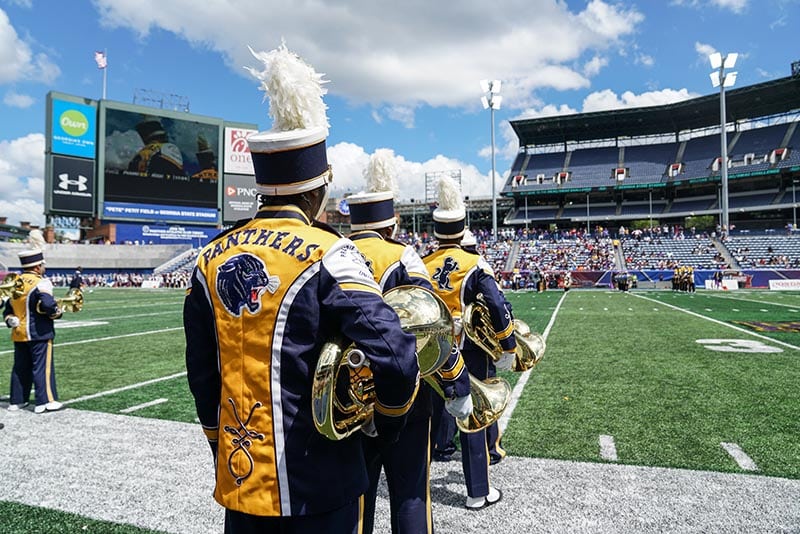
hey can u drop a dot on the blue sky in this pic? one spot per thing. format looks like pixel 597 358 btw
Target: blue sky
pixel 403 75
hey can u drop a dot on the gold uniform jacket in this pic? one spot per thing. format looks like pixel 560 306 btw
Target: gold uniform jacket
pixel 458 277
pixel 263 299
pixel 33 303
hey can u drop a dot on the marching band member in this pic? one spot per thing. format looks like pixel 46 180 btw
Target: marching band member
pixel 30 313
pixel 458 278
pixel 392 264
pixel 264 298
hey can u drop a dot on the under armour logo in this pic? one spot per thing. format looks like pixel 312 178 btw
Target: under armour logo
pixel 64 181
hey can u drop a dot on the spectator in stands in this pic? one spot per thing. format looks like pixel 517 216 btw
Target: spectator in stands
pixel 30 314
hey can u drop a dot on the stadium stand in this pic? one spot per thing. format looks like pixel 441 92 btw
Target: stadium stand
pixel 765 251
pixel 648 163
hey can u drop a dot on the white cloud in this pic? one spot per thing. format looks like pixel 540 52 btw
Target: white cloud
pixel 349 161
pixel 22 179
pixel 594 65
pixel 737 6
pixel 402 114
pixel 703 51
pixel 385 53
pixel 16 100
pixel 18 62
pixel 645 59
pixel 608 99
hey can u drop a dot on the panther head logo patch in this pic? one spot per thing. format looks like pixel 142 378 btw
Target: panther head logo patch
pixel 241 281
pixel 442 274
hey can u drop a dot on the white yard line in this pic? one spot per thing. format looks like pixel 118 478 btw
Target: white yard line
pixel 762 302
pixel 109 338
pixel 125 388
pixel 143 405
pixel 741 457
pixel 723 323
pixel 608 449
pixel 523 379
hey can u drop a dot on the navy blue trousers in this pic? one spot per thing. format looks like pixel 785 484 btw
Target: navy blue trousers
pixel 344 520
pixel 33 365
pixel 474 451
pixel 406 463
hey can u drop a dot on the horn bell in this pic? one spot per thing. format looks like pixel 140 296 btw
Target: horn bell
pixel 12 286
pixel 72 302
pixel 478 328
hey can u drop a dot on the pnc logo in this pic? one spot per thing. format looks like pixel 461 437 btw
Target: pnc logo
pixel 241 191
pixel 74 123
pixel 64 182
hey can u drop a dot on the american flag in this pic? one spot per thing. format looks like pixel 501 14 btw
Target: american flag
pixel 100 59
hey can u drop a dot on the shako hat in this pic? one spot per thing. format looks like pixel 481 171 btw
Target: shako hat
pixel 373 208
pixel 448 217
pixel 291 157
pixel 31 258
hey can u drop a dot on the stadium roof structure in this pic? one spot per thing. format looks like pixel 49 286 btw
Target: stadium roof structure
pixel 761 100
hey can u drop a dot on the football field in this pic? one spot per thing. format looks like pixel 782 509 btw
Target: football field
pixel 638 394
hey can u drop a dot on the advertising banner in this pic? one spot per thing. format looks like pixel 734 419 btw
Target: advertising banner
pixel 237 152
pixel 72 185
pixel 74 129
pixel 240 198
pixel 784 285
pixel 163 234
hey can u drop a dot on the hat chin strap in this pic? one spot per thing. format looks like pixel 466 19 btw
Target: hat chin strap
pixel 323 202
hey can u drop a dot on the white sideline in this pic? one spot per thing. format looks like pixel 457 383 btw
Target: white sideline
pixel 523 379
pixel 723 323
pixel 608 449
pixel 741 457
pixel 125 388
pixel 143 405
pixel 109 338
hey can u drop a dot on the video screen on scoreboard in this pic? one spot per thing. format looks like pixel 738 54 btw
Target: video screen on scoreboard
pixel 157 166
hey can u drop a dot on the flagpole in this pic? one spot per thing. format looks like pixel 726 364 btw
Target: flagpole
pixel 105 70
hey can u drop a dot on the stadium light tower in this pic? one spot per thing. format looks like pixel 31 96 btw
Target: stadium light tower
pixel 491 99
pixel 722 79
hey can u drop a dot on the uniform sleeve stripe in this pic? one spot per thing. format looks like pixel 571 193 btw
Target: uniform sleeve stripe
pixel 452 374
pixel 355 286
pixel 395 411
pixel 507 332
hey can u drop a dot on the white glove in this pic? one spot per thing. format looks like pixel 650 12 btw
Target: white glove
pixel 368 427
pixel 506 361
pixel 458 326
pixel 12 321
pixel 460 407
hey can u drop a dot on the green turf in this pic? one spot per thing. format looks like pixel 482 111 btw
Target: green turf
pixel 631 368
pixel 23 519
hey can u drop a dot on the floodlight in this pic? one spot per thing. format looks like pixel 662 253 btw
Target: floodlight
pixel 716 60
pixel 485 86
pixel 485 102
pixel 495 85
pixel 730 79
pixel 714 78
pixel 730 60
pixel 496 101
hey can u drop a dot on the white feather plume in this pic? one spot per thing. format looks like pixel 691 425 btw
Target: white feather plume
pixel 36 239
pixel 449 195
pixel 380 172
pixel 294 90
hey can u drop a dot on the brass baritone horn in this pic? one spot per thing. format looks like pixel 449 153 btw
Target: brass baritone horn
pixel 12 284
pixel 343 391
pixel 72 302
pixel 478 328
